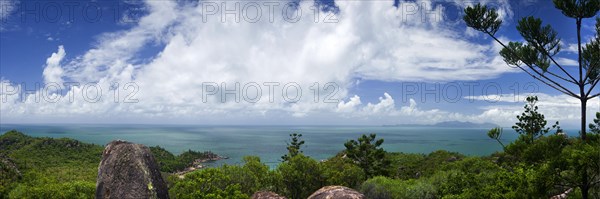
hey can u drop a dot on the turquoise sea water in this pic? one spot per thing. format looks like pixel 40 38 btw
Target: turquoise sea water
pixel 269 142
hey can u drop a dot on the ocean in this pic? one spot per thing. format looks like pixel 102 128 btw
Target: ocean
pixel 269 142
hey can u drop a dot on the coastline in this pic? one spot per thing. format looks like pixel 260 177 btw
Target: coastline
pixel 268 142
pixel 199 164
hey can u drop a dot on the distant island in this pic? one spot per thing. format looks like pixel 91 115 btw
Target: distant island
pixel 450 124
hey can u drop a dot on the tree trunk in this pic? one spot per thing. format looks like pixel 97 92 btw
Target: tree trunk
pixel 584 177
pixel 581 84
pixel 583 118
pixel 584 188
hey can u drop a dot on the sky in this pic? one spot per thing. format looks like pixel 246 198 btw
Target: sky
pixel 298 62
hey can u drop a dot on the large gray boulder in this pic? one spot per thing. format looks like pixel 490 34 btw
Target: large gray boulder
pixel 336 192
pixel 128 170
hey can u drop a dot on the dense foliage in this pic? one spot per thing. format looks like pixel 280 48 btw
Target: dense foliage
pixel 595 126
pixel 47 167
pixel 172 163
pixel 367 153
pixel 297 177
pixel 537 165
pixel 44 167
pixel 537 55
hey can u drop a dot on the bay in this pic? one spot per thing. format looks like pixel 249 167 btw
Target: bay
pixel 269 142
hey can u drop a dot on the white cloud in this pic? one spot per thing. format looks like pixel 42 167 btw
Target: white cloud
pixel 386 104
pixel 372 40
pixel 561 108
pixel 567 62
pixel 350 105
pixel 53 72
pixel 571 48
pixel 385 112
pixel 472 32
pixel 115 50
pixel 502 111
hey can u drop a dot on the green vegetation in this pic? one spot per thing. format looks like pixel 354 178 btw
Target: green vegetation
pixel 532 124
pixel 367 155
pixel 495 134
pixel 538 164
pixel 300 176
pixel 595 126
pixel 536 56
pixel 172 163
pixel 47 167
pixel 342 171
pixel 294 146
pixel 33 167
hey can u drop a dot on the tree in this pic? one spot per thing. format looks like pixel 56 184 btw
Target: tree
pixel 578 159
pixel 536 55
pixel 532 124
pixel 368 155
pixel 495 134
pixel 301 176
pixel 294 146
pixel 252 176
pixel 542 43
pixel 342 171
pixel 595 127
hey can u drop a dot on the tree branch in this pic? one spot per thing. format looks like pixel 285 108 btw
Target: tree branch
pixel 579 50
pixel 565 91
pixel 561 68
pixel 587 75
pixel 592 87
pixel 565 79
pixel 560 88
pixel 554 85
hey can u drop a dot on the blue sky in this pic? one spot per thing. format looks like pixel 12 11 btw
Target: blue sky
pixel 373 51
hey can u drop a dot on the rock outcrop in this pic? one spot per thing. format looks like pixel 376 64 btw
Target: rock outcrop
pixel 562 195
pixel 266 195
pixel 336 192
pixel 128 170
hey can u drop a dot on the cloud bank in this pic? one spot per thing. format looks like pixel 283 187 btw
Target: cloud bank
pixel 207 50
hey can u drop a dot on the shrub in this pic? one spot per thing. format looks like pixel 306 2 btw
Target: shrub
pixel 386 188
pixel 207 183
pixel 341 171
pixel 301 176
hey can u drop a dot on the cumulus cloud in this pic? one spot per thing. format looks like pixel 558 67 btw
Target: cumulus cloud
pixel 369 40
pixel 561 108
pixel 350 105
pixel 53 72
pixel 385 111
pixel 386 104
pixel 503 111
